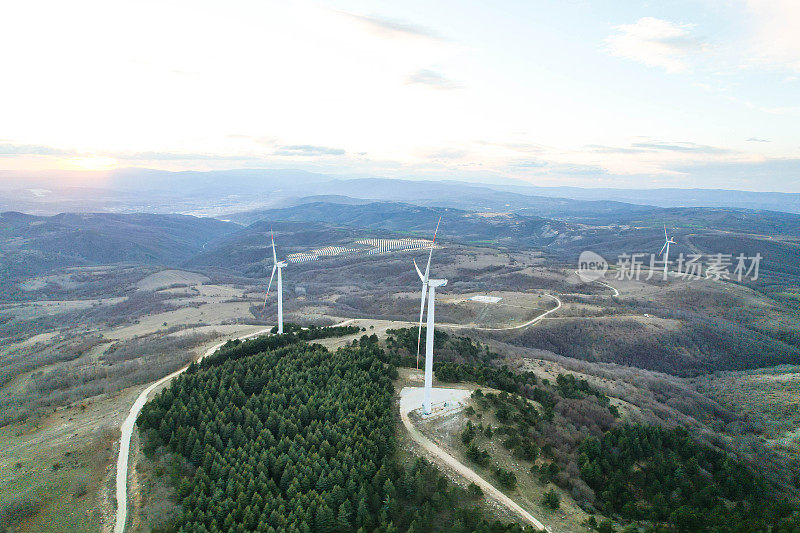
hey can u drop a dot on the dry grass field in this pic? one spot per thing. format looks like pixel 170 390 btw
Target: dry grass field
pixel 80 345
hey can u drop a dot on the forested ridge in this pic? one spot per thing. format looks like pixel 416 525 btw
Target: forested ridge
pixel 661 479
pixel 283 435
pixel 668 480
pixel 703 345
pixel 293 334
pixel 287 436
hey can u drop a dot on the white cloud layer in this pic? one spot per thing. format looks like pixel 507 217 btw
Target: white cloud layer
pixel 656 43
pixel 776 39
pixel 404 91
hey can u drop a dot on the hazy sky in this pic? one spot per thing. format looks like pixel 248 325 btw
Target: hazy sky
pixel 633 94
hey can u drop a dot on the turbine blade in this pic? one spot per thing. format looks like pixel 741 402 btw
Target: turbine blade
pixel 428 267
pixel 662 249
pixel 274 255
pixel 665 233
pixel 274 268
pixel 421 277
pixel 421 311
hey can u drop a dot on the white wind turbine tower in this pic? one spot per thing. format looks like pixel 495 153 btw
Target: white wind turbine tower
pixel 276 265
pixel 425 287
pixel 667 242
pixel 429 287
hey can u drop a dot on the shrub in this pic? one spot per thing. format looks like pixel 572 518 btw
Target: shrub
pixel 469 433
pixel 474 490
pixel 551 499
pixel 606 526
pixel 506 478
pixel 477 455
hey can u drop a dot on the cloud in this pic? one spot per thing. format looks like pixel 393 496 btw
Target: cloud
pixel 540 167
pixel 757 140
pixel 728 172
pixel 779 173
pixel 308 150
pixel 392 27
pixel 178 156
pixel 657 146
pixel 433 79
pixel 602 149
pixel 579 170
pixel 680 147
pixel 446 153
pixel 656 43
pixel 11 149
pixel 776 39
pixel 529 163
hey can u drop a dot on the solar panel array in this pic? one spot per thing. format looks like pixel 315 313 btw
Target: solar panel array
pixel 366 247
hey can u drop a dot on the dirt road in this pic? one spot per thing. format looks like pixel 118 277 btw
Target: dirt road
pixel 520 326
pixel 130 422
pixel 406 406
pixel 585 280
pixel 127 432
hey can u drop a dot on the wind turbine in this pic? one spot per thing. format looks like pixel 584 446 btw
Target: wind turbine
pixel 429 286
pixel 276 265
pixel 425 287
pixel 667 241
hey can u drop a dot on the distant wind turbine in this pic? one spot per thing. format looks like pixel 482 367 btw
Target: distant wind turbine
pixel 667 241
pixel 429 286
pixel 276 265
pixel 425 287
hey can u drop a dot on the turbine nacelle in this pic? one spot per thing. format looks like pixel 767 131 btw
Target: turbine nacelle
pixel 433 283
pixel 665 250
pixel 667 241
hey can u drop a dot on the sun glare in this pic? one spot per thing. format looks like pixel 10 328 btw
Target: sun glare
pixel 94 163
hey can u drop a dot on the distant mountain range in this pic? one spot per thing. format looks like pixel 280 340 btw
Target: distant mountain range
pixel 406 219
pixel 776 236
pixel 561 201
pixel 672 197
pixel 216 193
pixel 34 244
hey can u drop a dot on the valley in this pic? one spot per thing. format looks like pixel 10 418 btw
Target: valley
pixel 83 340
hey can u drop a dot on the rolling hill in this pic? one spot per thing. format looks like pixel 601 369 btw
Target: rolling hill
pixel 33 244
pixel 776 236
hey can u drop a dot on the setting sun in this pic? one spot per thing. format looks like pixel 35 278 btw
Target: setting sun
pixel 93 163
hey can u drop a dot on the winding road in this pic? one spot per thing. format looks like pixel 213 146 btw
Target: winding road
pixel 507 328
pixel 616 292
pixel 408 404
pixel 410 399
pixel 127 433
pixel 130 422
pixel 529 322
